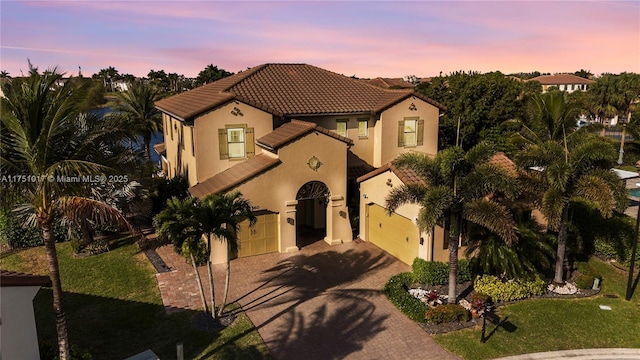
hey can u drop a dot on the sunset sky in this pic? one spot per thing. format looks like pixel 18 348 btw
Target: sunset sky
pixel 362 38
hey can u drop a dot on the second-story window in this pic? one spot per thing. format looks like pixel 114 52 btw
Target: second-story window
pixel 410 128
pixel 363 128
pixel 341 127
pixel 410 132
pixel 235 141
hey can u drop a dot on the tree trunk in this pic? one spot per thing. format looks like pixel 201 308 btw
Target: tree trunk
pixel 210 271
pixel 54 270
pixel 87 233
pixel 454 238
pixel 199 280
pixel 562 247
pixel 226 283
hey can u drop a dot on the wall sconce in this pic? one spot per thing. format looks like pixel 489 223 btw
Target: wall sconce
pixel 389 182
pixel 365 196
pixel 421 240
pixel 343 214
pixel 290 221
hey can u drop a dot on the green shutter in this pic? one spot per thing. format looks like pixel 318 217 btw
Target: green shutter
pixel 222 140
pixel 420 135
pixel 401 133
pixel 250 143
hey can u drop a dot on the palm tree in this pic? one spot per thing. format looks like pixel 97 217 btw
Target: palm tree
pixel 458 187
pixel 567 164
pixel 233 210
pixel 178 224
pixel 39 139
pixel 139 108
pixel 578 168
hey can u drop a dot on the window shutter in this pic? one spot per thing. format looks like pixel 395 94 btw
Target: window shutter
pixel 250 143
pixel 420 139
pixel 222 140
pixel 401 133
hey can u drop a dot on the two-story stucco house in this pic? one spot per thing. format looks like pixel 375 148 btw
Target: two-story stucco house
pixel 292 138
pixel 564 82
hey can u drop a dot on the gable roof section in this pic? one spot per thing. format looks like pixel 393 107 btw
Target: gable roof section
pixel 561 79
pixel 235 175
pixel 293 130
pixel 13 278
pixel 386 83
pixel 406 175
pixel 288 89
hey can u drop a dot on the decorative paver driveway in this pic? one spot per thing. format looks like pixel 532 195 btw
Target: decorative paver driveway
pixel 323 302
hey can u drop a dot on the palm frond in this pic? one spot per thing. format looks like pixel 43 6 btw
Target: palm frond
pixel 76 209
pixel 553 204
pixel 435 204
pixel 404 194
pixel 493 216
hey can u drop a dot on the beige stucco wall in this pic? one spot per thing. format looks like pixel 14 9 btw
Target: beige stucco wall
pixel 386 130
pixel 18 336
pixel 179 152
pixel 206 129
pixel 363 147
pixel 376 190
pixel 276 189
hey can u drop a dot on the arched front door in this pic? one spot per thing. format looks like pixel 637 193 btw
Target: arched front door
pixel 311 213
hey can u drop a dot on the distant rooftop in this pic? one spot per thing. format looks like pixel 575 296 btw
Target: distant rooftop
pixel 561 79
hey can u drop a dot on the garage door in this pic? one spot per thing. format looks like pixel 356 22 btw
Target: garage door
pixel 264 237
pixel 394 234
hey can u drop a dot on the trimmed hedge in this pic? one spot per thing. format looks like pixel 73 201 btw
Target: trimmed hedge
pixel 584 281
pixel 437 273
pixel 396 289
pixel 509 290
pixel 446 313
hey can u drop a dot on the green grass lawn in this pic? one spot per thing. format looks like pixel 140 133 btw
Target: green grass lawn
pixel 114 309
pixel 551 324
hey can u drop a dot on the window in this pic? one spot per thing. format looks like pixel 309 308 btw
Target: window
pixel 341 127
pixel 363 128
pixel 410 132
pixel 236 142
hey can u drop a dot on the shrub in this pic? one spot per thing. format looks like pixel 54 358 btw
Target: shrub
pixel 396 289
pixel 446 313
pixel 98 246
pixel 50 351
pixel 510 290
pixel 437 273
pixel 584 281
pixel 200 253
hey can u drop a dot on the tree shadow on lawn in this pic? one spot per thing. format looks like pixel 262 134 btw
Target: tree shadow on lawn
pixel 307 309
pixel 111 328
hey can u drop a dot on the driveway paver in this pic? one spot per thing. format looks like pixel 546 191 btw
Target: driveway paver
pixel 324 302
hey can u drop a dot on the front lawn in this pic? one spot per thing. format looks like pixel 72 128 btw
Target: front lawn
pixel 114 309
pixel 551 324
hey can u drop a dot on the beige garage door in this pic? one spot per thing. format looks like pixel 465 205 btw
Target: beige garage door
pixel 394 234
pixel 263 239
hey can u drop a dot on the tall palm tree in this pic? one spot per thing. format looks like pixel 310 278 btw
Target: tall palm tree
pixel 458 187
pixel 139 108
pixel 577 168
pixel 38 139
pixel 567 163
pixel 178 223
pixel 233 210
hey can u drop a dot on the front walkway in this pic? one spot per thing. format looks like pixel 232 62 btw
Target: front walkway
pixel 324 302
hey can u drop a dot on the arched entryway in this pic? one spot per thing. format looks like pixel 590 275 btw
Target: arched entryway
pixel 311 213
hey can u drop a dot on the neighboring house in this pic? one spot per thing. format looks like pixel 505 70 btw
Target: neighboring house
pixel 391 83
pixel 292 138
pixel 18 336
pixel 564 82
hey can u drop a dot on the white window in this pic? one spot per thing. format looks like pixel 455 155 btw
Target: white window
pixel 341 127
pixel 235 141
pixel 363 128
pixel 410 130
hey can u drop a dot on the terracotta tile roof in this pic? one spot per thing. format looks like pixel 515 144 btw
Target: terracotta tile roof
pixel 406 175
pixel 234 176
pixel 354 172
pixel 386 83
pixel 293 130
pixel 12 278
pixel 288 90
pixel 561 79
pixel 501 160
pixel 160 148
